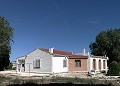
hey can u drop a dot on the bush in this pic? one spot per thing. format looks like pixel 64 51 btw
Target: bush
pixel 114 69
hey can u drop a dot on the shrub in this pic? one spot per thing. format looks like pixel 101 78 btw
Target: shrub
pixel 114 69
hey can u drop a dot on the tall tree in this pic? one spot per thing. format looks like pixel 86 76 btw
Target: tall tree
pixel 6 38
pixel 107 43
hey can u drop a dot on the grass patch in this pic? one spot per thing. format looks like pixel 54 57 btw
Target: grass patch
pixel 62 80
pixel 73 80
pixel 4 80
pixel 16 80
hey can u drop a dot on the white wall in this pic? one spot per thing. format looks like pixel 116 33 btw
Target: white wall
pixel 90 62
pixel 89 65
pixel 57 64
pixel 19 67
pixel 45 62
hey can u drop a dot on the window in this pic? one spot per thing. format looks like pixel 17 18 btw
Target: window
pixel 99 64
pixel 36 63
pixel 21 61
pixel 78 63
pixel 94 64
pixel 64 63
pixel 22 65
pixel 103 64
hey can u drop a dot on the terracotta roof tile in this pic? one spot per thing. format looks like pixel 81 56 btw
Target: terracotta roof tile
pixel 57 52
pixel 62 52
pixel 45 50
pixel 70 54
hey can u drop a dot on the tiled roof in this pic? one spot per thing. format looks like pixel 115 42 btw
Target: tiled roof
pixel 57 52
pixel 64 53
pixel 78 56
pixel 45 50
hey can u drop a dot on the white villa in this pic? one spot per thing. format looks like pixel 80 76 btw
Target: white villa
pixel 50 60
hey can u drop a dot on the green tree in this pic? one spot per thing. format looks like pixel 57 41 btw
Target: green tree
pixel 10 66
pixel 107 43
pixel 6 38
pixel 114 69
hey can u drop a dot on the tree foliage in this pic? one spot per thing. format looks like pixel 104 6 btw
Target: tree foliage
pixel 6 38
pixel 114 69
pixel 107 43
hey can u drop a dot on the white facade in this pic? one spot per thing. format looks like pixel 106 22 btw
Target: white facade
pixel 45 62
pixel 97 63
pixel 58 65
pixel 20 64
pixel 48 62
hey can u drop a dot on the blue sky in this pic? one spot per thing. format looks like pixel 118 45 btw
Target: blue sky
pixel 68 25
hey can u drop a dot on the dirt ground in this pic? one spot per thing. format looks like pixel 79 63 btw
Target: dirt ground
pixel 22 77
pixel 27 74
pixel 14 73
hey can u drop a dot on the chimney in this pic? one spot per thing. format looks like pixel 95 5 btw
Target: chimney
pixel 51 50
pixel 88 53
pixel 84 51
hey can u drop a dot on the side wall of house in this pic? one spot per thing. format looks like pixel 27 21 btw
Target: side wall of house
pixel 45 62
pixel 72 65
pixel 57 64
